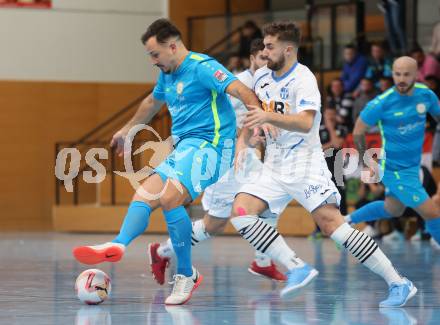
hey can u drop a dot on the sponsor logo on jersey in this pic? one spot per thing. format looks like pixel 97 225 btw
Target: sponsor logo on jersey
pixel 264 85
pixel 220 75
pixel 421 108
pixel 277 107
pixel 179 88
pixel 404 129
pixel 284 93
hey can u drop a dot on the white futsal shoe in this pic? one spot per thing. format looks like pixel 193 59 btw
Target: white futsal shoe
pixel 183 288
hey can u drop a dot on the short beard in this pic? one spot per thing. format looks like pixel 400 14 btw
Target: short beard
pixel 276 66
pixel 408 89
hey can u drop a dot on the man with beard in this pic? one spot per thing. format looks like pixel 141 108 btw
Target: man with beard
pixel 194 88
pixel 401 114
pixel 217 199
pixel 294 168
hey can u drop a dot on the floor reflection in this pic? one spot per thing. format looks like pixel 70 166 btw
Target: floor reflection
pixel 39 273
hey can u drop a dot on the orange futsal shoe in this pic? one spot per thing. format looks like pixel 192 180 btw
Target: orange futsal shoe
pixel 108 252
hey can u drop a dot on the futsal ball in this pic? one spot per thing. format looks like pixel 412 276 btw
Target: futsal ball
pixel 93 286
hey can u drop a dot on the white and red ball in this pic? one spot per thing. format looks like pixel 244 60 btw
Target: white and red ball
pixel 93 286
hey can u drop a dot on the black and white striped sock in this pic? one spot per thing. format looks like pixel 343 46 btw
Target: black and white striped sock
pixel 366 250
pixel 266 239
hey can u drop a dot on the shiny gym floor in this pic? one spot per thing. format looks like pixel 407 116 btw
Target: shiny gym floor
pixel 37 274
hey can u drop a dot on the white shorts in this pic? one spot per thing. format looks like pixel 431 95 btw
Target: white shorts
pixel 218 198
pixel 311 191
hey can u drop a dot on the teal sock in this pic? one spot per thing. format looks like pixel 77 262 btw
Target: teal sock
pixel 370 212
pixel 433 227
pixel 180 229
pixel 135 222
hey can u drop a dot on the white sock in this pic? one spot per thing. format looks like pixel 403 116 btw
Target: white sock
pixel 166 249
pixel 198 232
pixel 266 240
pixel 365 249
pixel 262 260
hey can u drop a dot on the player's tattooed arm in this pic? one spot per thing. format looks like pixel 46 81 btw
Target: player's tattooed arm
pixel 146 111
pixel 238 90
pixel 359 139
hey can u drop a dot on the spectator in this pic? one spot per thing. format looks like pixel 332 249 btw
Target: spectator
pixel 367 92
pixel 338 112
pixel 427 64
pixel 393 13
pixel 435 43
pixel 385 83
pixel 433 83
pixel 249 32
pixel 339 123
pixel 355 66
pixel 378 66
pixel 234 63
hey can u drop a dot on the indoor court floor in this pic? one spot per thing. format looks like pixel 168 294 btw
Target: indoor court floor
pixel 38 272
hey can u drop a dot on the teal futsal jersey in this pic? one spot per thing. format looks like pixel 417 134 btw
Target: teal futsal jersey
pixel 401 120
pixel 196 99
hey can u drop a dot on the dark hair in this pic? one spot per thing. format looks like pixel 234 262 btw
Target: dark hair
pixel 285 31
pixel 233 55
pixel 350 47
pixel 387 79
pixel 250 24
pixel 378 44
pixel 163 29
pixel 434 78
pixel 370 80
pixel 257 45
pixel 416 49
pixel 337 80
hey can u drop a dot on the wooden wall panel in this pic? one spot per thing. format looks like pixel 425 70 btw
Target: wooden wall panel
pixel 180 11
pixel 295 220
pixel 35 115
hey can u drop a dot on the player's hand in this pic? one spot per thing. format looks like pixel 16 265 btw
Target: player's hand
pixel 256 139
pixel 118 141
pixel 337 142
pixel 270 130
pixel 255 118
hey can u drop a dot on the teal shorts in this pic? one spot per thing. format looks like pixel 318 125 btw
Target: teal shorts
pixel 405 186
pixel 197 164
